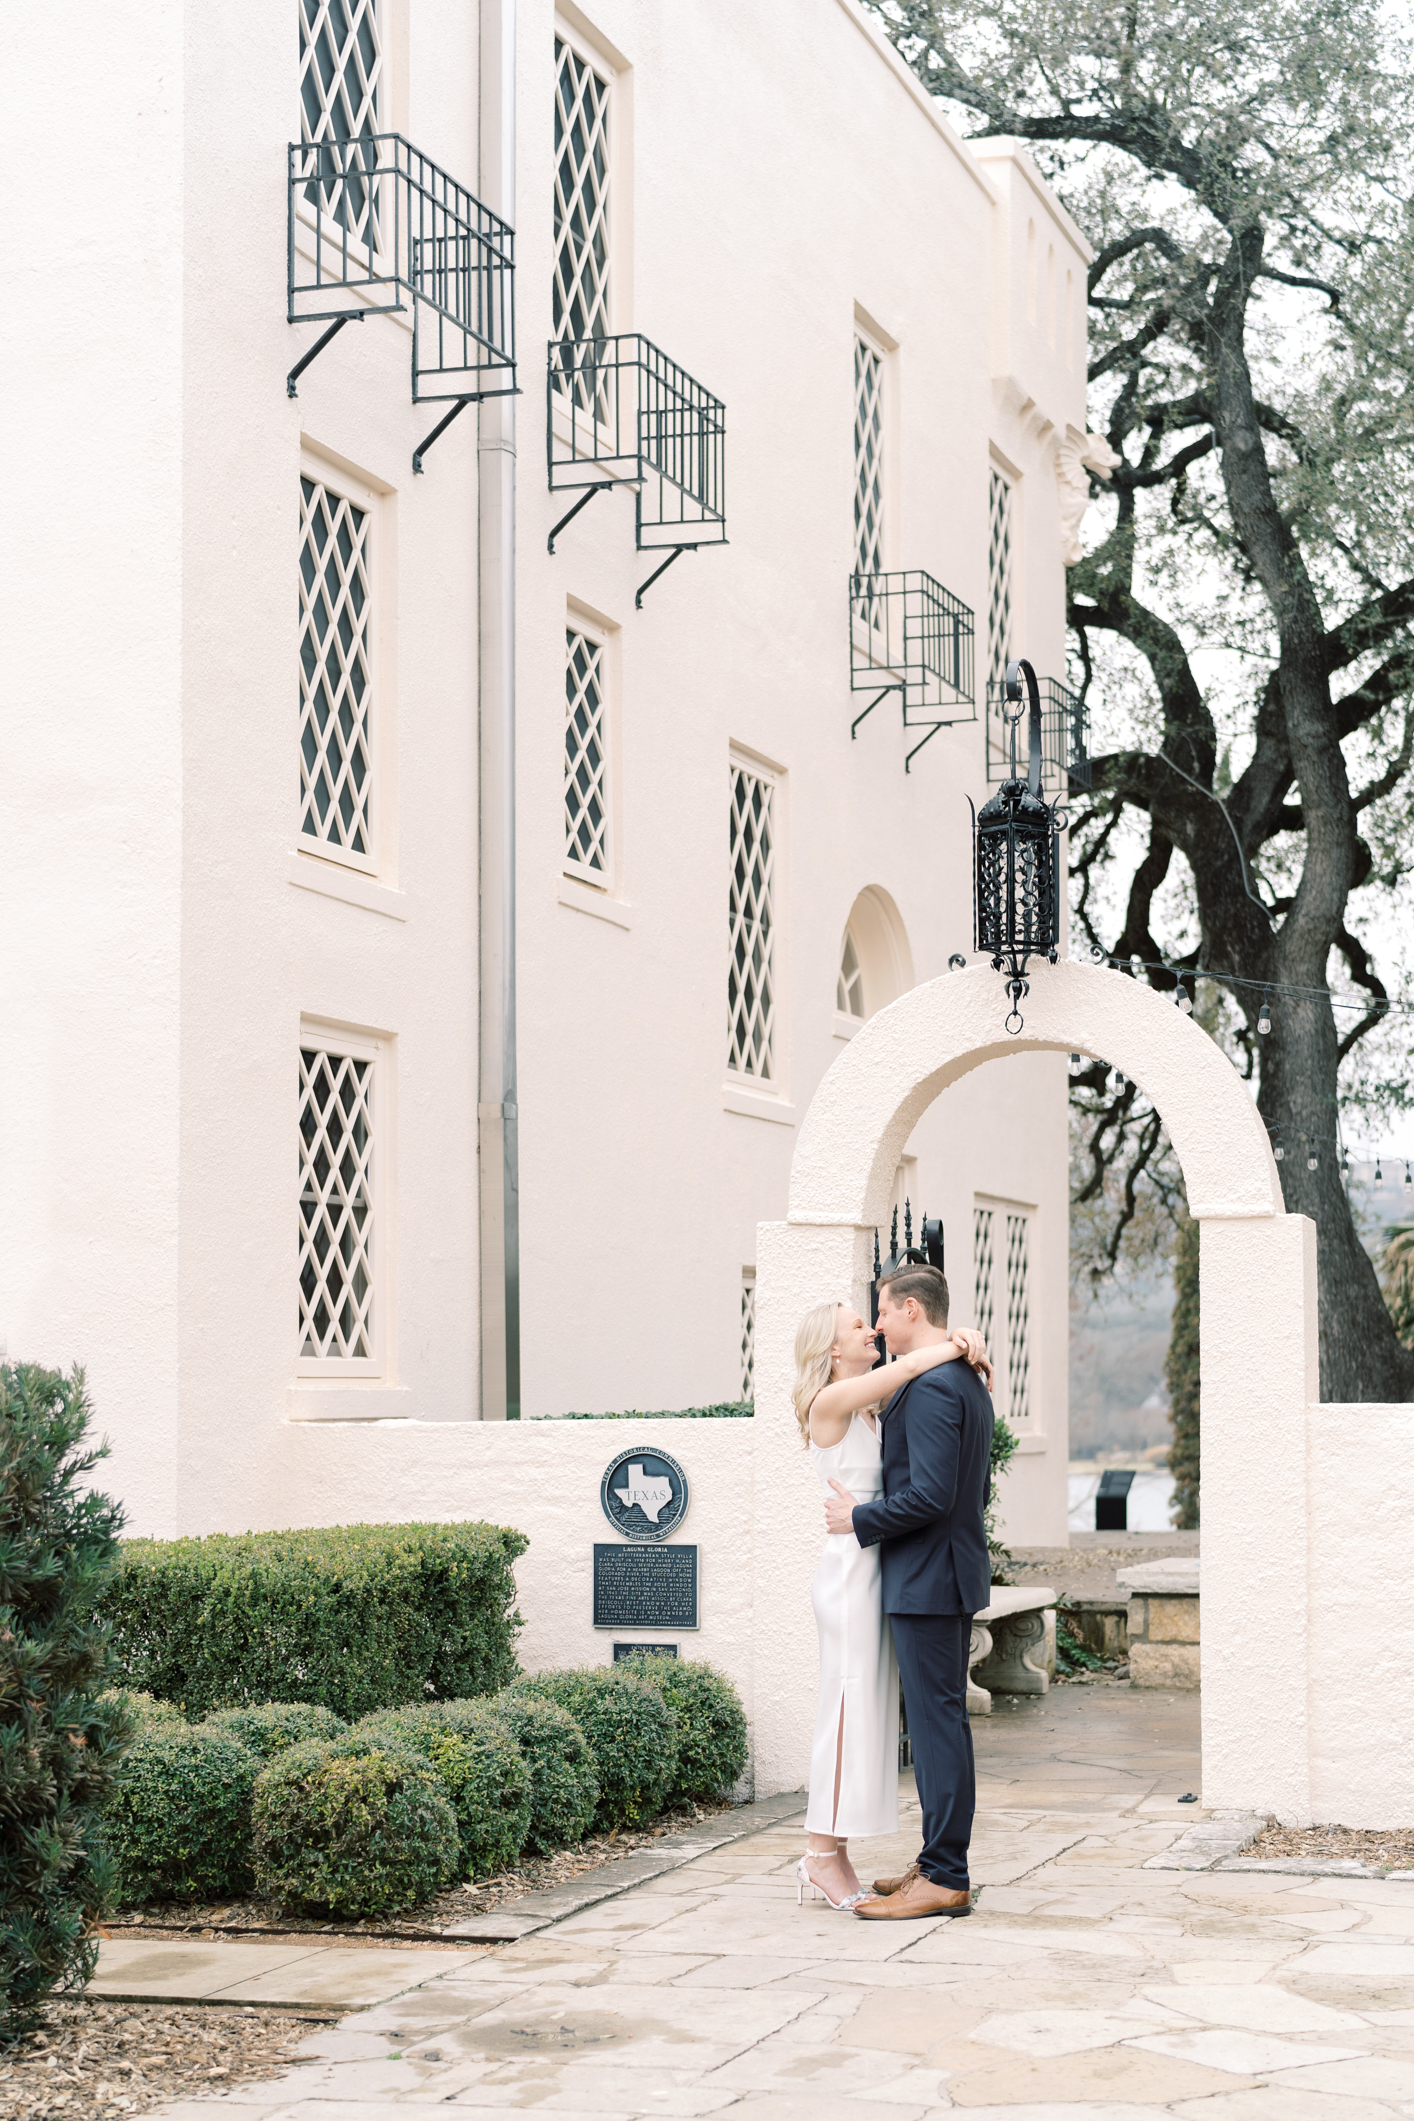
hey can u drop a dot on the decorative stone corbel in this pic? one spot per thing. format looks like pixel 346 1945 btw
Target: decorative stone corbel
pixel 1077 455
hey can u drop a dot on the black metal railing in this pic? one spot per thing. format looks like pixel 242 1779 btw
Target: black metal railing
pixel 619 412
pixel 1065 736
pixel 907 634
pixel 374 224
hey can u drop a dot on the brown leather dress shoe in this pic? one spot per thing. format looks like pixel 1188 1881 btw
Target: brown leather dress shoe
pixel 896 1885
pixel 919 1897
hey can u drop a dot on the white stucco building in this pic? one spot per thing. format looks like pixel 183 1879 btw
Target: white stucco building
pixel 318 862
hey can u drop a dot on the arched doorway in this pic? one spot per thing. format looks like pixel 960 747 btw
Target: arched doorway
pixel 1270 1742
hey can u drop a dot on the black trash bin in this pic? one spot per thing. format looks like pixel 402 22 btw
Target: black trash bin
pixel 1112 1500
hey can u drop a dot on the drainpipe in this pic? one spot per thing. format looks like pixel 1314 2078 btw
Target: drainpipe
pixel 497 1142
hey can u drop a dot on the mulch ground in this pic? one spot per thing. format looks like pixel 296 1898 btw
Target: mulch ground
pixel 1391 1850
pixel 95 2061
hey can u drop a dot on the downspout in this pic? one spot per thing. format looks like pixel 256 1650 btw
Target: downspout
pixel 497 1118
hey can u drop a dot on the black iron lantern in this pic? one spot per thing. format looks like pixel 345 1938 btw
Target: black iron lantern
pixel 1016 845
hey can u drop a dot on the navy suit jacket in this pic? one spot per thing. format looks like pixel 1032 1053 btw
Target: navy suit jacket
pixel 937 1435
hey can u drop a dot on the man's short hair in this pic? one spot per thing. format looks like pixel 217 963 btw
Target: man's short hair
pixel 925 1285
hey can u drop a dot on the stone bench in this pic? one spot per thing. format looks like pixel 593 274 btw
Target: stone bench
pixel 1163 1621
pixel 1013 1649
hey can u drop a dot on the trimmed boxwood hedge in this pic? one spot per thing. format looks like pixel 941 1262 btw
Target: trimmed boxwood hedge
pixel 712 1743
pixel 355 1618
pixel 147 1712
pixel 274 1726
pixel 354 1826
pixel 177 1822
pixel 479 1763
pixel 564 1787
pixel 632 1734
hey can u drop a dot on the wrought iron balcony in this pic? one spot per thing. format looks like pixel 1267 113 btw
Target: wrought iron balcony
pixel 373 226
pixel 909 635
pixel 618 412
pixel 1065 736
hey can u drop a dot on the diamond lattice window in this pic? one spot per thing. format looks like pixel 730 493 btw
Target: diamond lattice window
pixel 340 70
pixel 581 291
pixel 335 693
pixel 335 1206
pixel 982 1271
pixel 849 987
pixel 751 1003
pixel 586 747
pixel 748 1336
pixel 1018 1317
pixel 998 582
pixel 868 459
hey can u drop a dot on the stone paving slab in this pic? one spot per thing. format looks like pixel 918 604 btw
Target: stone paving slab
pixel 326 1975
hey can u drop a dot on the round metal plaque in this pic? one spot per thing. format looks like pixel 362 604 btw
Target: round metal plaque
pixel 644 1493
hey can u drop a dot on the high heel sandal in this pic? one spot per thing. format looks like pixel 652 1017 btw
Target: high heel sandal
pixel 803 1878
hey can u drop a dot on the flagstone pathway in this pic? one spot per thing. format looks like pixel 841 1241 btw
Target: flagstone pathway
pixel 1083 1985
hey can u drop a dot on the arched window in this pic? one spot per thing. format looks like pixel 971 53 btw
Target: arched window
pixel 849 988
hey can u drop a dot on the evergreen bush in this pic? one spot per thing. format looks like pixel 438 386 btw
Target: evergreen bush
pixel 178 1818
pixel 1004 1443
pixel 354 1618
pixel 60 1735
pixel 1181 1377
pixel 564 1788
pixel 352 1826
pixel 481 1770
pixel 711 1724
pixel 274 1726
pixel 632 1735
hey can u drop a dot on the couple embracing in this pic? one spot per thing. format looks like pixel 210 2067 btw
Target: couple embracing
pixel 903 1457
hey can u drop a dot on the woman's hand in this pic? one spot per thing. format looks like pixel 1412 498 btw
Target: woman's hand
pixel 974 1351
pixel 961 1343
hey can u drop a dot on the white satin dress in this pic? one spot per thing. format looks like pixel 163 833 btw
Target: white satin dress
pixel 858 1669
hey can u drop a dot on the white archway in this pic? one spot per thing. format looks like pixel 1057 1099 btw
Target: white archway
pixel 1289 1487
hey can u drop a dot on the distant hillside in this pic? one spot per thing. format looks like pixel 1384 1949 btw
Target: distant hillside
pixel 1118 1342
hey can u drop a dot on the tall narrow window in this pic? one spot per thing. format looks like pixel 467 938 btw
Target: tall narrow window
pixel 998 583
pixel 581 291
pixel 340 72
pixel 849 987
pixel 982 1276
pixel 336 1232
pixel 586 758
pixel 1018 1317
pixel 868 458
pixel 748 1333
pixel 751 1002
pixel 335 692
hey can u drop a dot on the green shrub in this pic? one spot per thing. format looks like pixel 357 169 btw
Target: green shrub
pixel 720 1410
pixel 481 1770
pixel 274 1726
pixel 178 1820
pixel 353 1826
pixel 354 1618
pixel 147 1712
pixel 632 1735
pixel 564 1789
pixel 712 1746
pixel 60 1737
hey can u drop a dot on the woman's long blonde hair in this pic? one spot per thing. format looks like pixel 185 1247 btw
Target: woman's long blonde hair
pixel 815 1336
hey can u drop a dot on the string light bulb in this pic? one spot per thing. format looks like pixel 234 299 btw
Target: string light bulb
pixel 1183 1000
pixel 1408 1180
pixel 1117 1080
pixel 1312 1159
pixel 1379 1172
pixel 1264 1015
pixel 1279 1147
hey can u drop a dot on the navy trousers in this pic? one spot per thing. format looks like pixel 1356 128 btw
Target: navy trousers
pixel 932 1661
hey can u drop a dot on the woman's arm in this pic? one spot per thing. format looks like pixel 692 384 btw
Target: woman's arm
pixel 832 1407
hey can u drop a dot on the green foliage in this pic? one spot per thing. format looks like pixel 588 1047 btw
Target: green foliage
pixel 274 1726
pixel 1397 1279
pixel 711 1724
pixel 1004 1442
pixel 1181 1377
pixel 722 1410
pixel 480 1768
pixel 632 1734
pixel 60 1737
pixel 564 1788
pixel 352 1826
pixel 146 1711
pixel 178 1819
pixel 354 1618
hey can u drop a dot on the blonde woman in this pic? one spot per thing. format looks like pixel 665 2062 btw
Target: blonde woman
pixel 839 1396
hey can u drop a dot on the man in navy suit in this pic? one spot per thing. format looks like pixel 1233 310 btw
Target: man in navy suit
pixel 937 1435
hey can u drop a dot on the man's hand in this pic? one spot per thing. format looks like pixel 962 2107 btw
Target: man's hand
pixel 839 1509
